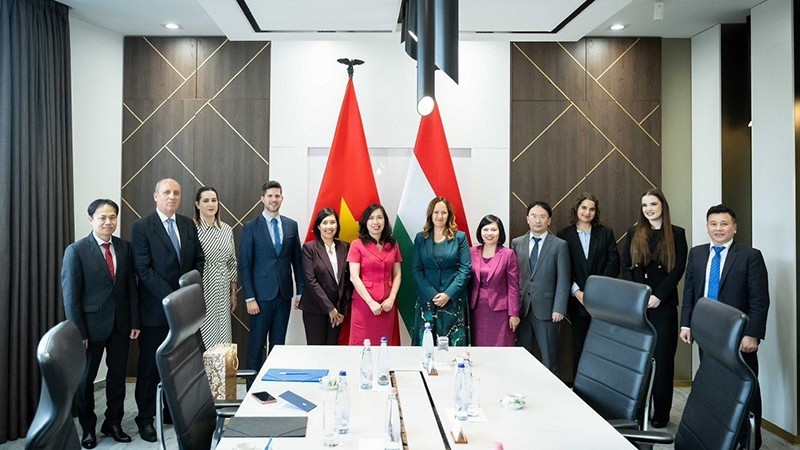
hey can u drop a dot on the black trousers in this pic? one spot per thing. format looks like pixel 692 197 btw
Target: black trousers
pixel 116 346
pixel 147 373
pixel 665 321
pixel 318 329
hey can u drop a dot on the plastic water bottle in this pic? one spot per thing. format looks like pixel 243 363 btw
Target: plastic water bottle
pixel 342 406
pixel 366 366
pixel 472 406
pixel 392 420
pixel 383 363
pixel 461 396
pixel 427 346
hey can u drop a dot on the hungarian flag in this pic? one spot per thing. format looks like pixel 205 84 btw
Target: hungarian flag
pixel 430 174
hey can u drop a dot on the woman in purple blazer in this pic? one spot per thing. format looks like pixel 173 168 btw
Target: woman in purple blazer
pixel 494 290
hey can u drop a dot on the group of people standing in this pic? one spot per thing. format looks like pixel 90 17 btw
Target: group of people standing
pixel 487 295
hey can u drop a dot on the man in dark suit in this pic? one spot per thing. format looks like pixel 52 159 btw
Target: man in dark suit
pixel 165 247
pixel 268 253
pixel 736 275
pixel 99 288
pixel 544 280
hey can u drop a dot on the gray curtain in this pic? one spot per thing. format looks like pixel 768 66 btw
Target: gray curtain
pixel 35 192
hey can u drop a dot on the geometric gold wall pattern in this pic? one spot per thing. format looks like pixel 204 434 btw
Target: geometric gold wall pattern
pixel 585 116
pixel 197 110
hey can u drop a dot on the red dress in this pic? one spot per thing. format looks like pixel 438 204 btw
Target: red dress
pixel 376 274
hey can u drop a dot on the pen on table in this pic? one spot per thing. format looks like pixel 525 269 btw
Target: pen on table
pixel 268 443
pixel 292 373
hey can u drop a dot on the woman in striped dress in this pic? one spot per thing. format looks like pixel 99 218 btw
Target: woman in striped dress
pixel 219 275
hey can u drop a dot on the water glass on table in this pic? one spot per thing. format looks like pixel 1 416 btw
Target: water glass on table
pixel 330 429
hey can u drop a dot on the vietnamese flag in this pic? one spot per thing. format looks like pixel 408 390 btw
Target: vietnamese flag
pixel 430 174
pixel 348 185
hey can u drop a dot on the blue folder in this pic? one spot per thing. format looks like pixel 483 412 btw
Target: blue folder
pixel 295 375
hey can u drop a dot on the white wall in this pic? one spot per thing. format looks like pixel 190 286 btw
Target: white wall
pixel 706 129
pixel 96 59
pixel 307 88
pixel 774 201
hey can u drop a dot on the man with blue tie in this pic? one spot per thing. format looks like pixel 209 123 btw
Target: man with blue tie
pixel 165 246
pixel 733 274
pixel 268 254
pixel 544 281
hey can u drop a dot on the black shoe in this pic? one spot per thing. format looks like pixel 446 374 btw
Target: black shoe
pixel 658 423
pixel 89 439
pixel 115 431
pixel 148 433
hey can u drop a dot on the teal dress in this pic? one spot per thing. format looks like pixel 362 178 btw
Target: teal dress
pixel 442 267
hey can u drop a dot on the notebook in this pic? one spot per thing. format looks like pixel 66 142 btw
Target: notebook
pixel 295 375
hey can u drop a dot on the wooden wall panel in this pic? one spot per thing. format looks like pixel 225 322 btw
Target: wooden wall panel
pixel 197 110
pixel 585 116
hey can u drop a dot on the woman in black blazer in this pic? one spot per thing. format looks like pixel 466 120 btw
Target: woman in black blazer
pixel 326 297
pixel 655 254
pixel 592 251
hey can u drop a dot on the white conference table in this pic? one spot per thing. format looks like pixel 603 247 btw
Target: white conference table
pixel 554 417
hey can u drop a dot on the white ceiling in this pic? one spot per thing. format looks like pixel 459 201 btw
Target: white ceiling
pixel 517 20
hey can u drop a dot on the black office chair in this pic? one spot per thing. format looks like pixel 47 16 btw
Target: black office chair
pixel 184 385
pixel 718 407
pixel 615 371
pixel 62 361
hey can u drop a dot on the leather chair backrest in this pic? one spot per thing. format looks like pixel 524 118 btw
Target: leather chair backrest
pixel 62 361
pixel 614 370
pixel 183 377
pixel 191 277
pixel 723 386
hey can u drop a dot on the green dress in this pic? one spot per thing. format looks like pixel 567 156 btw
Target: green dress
pixel 442 267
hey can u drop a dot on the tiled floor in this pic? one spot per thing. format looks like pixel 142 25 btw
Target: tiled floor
pixel 771 441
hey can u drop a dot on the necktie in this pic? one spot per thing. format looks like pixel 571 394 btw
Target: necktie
pixel 713 276
pixel 277 236
pixel 534 253
pixel 173 236
pixel 109 259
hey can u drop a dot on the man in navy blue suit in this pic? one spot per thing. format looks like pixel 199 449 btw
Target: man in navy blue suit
pixel 165 246
pixel 268 254
pixel 736 275
pixel 98 281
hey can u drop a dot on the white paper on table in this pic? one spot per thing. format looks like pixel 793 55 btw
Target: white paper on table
pixel 370 444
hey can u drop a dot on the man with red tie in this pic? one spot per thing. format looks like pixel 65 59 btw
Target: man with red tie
pixel 98 281
pixel 736 275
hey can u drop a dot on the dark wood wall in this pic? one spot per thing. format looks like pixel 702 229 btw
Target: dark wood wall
pixel 585 116
pixel 196 110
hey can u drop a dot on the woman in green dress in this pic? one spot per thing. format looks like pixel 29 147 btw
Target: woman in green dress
pixel 442 267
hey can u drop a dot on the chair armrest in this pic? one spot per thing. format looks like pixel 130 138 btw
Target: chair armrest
pixel 242 373
pixel 229 403
pixel 226 412
pixel 624 424
pixel 647 437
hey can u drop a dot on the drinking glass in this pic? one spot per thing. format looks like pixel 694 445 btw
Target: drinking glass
pixel 330 432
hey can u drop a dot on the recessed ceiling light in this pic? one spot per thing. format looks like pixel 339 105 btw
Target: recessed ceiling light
pixel 617 27
pixel 172 26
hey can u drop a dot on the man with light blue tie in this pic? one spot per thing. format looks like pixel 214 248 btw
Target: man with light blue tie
pixel 733 274
pixel 165 246
pixel 268 254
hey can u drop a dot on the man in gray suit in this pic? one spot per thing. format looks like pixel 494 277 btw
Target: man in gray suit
pixel 544 281
pixel 98 281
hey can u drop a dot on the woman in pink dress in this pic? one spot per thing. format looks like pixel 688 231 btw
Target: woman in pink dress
pixel 374 260
pixel 494 291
